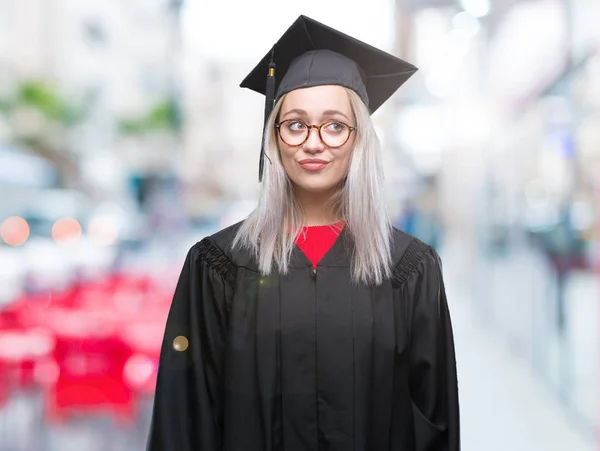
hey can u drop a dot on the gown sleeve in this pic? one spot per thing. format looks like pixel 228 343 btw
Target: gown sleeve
pixel 187 408
pixel 433 375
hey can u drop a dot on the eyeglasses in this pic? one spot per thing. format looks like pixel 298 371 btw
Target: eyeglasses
pixel 333 134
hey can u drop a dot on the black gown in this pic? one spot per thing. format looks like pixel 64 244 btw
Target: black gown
pixel 306 361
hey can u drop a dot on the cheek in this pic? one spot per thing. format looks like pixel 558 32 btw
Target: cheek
pixel 286 155
pixel 343 160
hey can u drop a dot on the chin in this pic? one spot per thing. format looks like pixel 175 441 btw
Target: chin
pixel 314 185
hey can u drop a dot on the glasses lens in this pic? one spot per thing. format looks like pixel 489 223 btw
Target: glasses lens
pixel 335 134
pixel 293 133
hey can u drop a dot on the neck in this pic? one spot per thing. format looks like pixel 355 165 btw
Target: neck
pixel 315 208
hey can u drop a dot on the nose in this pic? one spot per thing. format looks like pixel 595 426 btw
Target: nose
pixel 313 144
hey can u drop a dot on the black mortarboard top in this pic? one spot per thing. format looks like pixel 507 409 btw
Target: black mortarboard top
pixel 312 54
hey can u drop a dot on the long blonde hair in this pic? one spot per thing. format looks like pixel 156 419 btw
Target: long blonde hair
pixel 360 201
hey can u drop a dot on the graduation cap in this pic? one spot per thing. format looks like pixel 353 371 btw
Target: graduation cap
pixel 312 54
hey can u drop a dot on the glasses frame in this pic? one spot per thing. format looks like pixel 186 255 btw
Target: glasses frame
pixel 318 127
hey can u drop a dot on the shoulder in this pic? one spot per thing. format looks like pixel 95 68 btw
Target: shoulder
pixel 224 237
pixel 216 250
pixel 412 257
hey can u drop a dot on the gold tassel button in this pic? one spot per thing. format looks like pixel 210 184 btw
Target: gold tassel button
pixel 180 343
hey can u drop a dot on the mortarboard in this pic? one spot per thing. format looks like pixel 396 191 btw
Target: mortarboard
pixel 312 54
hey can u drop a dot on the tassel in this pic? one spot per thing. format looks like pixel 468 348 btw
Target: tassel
pixel 269 103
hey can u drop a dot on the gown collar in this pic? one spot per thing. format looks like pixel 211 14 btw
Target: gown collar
pixel 339 254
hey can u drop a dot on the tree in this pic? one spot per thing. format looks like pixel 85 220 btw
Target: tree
pixel 40 120
pixel 164 116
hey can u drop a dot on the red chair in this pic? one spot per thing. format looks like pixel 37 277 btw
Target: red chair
pixel 145 340
pixel 23 343
pixel 90 364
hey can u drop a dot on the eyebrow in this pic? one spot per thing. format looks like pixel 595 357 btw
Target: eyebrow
pixel 325 113
pixel 334 112
pixel 295 111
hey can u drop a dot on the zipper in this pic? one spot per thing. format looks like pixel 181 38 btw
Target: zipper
pixel 313 275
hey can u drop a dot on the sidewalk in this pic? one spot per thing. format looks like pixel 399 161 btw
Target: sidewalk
pixel 503 406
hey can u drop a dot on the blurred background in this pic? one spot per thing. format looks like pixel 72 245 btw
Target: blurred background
pixel 124 139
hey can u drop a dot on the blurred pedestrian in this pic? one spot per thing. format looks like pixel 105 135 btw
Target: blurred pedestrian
pixel 313 324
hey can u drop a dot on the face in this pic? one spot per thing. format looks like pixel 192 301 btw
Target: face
pixel 315 166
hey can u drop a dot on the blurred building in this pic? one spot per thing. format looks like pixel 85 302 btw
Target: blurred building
pixel 222 133
pixel 507 119
pixel 118 58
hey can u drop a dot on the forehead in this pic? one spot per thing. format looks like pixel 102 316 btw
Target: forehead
pixel 316 99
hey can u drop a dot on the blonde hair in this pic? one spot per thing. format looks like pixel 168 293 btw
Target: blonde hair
pixel 360 201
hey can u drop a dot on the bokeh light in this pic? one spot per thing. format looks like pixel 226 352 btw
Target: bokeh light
pixel 66 230
pixel 14 231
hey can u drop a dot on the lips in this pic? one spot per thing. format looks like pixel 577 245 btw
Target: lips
pixel 313 164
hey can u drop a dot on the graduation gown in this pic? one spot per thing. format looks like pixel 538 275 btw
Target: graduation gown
pixel 306 361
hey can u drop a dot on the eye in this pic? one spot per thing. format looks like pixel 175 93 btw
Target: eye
pixel 335 127
pixel 295 126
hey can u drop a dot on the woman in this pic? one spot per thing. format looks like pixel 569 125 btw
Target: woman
pixel 312 325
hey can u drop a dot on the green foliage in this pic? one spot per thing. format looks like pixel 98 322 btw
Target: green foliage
pixel 58 110
pixel 45 99
pixel 163 116
pixel 29 141
pixel 4 106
